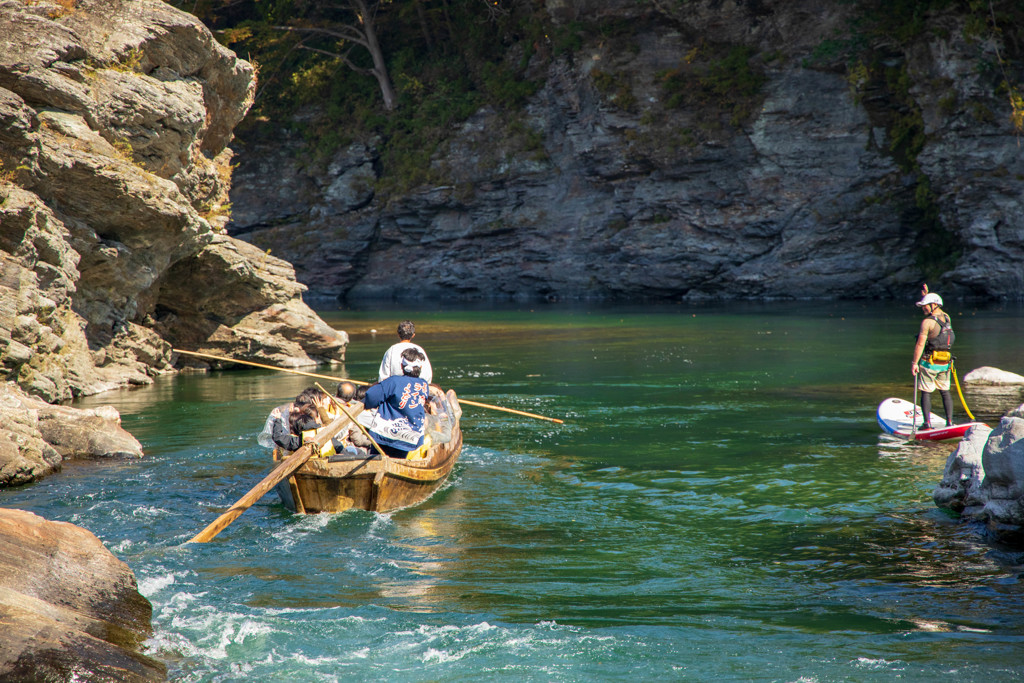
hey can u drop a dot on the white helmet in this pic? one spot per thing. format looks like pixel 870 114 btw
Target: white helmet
pixel 930 298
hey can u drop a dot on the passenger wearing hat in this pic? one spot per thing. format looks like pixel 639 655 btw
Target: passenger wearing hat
pixel 398 424
pixel 932 357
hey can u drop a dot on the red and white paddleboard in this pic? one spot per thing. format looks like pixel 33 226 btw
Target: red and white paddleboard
pixel 896 417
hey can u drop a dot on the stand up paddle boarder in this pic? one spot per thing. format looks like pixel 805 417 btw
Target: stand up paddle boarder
pixel 932 355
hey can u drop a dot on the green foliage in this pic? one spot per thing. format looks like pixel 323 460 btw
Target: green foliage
pixel 728 83
pixel 616 88
pixel 567 38
pixel 504 87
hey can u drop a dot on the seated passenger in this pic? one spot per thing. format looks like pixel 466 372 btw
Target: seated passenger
pixel 357 442
pixel 439 418
pixel 304 416
pixel 398 423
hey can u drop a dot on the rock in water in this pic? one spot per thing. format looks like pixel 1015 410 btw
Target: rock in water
pixel 995 376
pixel 70 610
pixel 36 437
pixel 964 472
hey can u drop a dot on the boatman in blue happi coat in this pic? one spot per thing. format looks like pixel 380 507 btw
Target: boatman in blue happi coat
pixel 400 400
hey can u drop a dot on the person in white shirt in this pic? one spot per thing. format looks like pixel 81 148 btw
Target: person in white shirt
pixel 391 364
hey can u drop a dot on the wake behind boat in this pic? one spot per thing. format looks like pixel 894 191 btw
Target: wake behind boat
pixel 897 417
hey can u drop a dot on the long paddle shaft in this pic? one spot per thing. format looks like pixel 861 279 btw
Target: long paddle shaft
pixel 283 470
pixel 354 381
pixel 913 430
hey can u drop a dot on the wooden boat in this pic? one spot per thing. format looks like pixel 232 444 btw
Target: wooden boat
pixel 371 482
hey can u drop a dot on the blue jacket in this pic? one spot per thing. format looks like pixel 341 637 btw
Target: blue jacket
pixel 401 413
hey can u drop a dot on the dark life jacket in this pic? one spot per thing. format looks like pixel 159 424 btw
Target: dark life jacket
pixel 943 341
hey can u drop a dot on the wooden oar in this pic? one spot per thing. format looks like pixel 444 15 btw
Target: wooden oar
pixel 283 470
pixel 355 381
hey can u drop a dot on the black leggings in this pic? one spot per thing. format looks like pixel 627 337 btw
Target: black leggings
pixel 947 406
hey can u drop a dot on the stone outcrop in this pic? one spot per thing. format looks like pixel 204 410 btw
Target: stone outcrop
pixel 988 376
pixel 830 180
pixel 984 478
pixel 115 116
pixel 70 609
pixel 36 437
pixel 990 390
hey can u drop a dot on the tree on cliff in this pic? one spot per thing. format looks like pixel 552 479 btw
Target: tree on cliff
pixel 338 28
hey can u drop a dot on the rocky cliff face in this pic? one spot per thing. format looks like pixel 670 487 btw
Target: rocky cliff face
pixel 115 116
pixel 831 171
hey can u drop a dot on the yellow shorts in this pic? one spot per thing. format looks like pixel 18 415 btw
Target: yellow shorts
pixel 929 378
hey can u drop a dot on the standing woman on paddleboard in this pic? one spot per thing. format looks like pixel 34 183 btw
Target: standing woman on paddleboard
pixel 932 356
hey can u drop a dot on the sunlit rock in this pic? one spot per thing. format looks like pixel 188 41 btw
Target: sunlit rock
pixel 987 375
pixel 36 437
pixel 115 122
pixel 964 471
pixel 71 611
pixel 992 490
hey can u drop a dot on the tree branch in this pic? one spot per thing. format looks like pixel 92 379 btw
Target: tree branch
pixel 343 57
pixel 348 33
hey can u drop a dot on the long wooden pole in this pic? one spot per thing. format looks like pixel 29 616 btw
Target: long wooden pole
pixel 510 410
pixel 224 359
pixel 283 470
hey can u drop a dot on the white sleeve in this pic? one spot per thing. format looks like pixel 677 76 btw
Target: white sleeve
pixel 385 363
pixel 426 373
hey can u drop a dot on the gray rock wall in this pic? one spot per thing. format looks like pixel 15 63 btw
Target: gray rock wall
pixel 615 192
pixel 115 116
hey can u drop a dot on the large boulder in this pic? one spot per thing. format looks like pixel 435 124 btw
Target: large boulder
pixel 115 120
pixel 990 390
pixel 70 610
pixel 961 480
pixel 984 478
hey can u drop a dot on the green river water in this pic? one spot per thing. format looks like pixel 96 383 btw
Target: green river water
pixel 720 505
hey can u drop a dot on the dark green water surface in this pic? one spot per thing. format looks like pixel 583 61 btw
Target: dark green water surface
pixel 720 505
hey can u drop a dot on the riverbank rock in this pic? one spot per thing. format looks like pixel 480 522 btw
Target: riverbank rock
pixel 71 611
pixel 984 478
pixel 991 391
pixel 770 149
pixel 115 120
pixel 36 437
pixel 993 376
